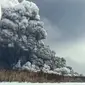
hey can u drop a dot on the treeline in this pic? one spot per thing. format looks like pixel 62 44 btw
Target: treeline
pixel 28 76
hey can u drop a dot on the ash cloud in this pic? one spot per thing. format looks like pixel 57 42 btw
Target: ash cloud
pixel 21 28
pixel 21 41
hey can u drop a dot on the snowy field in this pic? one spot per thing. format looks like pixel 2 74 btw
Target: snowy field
pixel 15 83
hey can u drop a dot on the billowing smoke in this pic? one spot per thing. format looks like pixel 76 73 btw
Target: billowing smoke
pixel 7 4
pixel 21 34
pixel 21 40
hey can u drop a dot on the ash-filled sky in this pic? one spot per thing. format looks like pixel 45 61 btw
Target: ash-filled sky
pixel 65 24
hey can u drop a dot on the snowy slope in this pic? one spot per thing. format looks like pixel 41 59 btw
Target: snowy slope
pixel 15 83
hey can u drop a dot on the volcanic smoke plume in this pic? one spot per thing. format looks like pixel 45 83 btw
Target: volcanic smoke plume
pixel 21 34
pixel 21 40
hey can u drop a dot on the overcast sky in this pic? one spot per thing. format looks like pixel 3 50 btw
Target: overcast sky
pixel 65 24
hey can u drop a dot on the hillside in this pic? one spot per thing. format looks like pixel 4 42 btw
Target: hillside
pixel 41 77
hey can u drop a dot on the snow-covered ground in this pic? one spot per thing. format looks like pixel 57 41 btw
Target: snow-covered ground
pixel 15 83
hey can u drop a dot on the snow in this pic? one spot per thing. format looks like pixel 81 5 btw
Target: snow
pixel 25 83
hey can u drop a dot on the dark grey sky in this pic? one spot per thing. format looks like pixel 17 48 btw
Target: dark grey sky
pixel 68 15
pixel 65 24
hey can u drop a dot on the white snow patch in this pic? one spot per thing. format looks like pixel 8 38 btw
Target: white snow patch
pixel 25 83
